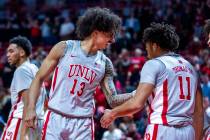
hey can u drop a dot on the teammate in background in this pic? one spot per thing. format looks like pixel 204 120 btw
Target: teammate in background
pixel 207 30
pixel 18 54
pixel 79 67
pixel 170 86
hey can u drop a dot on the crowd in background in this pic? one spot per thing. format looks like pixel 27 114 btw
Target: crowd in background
pixel 47 22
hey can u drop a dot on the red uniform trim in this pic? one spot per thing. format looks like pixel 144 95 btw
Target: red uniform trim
pixel 54 78
pixel 45 125
pixel 155 131
pixel 11 117
pixel 17 128
pixel 165 102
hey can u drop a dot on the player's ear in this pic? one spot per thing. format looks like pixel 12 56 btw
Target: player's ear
pixel 94 33
pixel 22 52
pixel 154 46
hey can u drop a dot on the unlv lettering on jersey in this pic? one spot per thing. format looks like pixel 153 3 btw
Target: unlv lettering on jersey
pixel 82 71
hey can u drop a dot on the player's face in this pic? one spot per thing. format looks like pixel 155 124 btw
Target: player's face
pixel 13 54
pixel 208 42
pixel 102 39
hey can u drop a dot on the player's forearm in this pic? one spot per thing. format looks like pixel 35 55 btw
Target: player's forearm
pixel 117 100
pixel 111 95
pixel 23 131
pixel 129 107
pixel 198 120
pixel 113 98
pixel 198 126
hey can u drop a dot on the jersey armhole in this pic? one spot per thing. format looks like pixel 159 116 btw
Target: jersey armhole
pixel 162 72
pixel 69 46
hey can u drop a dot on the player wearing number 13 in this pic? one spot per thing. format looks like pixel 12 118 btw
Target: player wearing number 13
pixel 170 86
pixel 79 67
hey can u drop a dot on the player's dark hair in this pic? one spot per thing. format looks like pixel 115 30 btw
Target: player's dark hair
pixel 207 27
pixel 101 19
pixel 22 42
pixel 162 34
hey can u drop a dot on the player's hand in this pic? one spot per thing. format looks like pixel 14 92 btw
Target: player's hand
pixel 107 118
pixel 30 118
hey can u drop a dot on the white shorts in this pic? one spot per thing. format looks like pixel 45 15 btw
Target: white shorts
pixel 58 127
pixel 161 132
pixel 13 128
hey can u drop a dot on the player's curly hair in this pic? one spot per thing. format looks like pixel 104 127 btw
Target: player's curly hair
pixel 22 42
pixel 162 34
pixel 101 19
pixel 207 27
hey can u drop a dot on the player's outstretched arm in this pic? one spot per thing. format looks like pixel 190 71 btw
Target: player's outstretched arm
pixel 108 87
pixel 198 114
pixel 46 68
pixel 130 107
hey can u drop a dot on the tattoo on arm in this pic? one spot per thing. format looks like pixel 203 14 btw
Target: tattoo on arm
pixel 109 89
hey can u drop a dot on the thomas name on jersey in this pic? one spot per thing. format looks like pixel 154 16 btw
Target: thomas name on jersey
pixel 182 68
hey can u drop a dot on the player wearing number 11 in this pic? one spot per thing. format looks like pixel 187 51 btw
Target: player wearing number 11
pixel 170 86
pixel 79 67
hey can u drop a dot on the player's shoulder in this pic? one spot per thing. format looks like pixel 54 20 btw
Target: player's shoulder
pixel 154 62
pixel 71 44
pixel 70 41
pixel 154 65
pixel 26 68
pixel 106 59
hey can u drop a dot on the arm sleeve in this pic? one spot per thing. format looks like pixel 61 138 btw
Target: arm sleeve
pixel 151 71
pixel 23 79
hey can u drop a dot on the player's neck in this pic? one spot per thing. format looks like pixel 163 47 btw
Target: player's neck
pixel 163 52
pixel 22 60
pixel 87 47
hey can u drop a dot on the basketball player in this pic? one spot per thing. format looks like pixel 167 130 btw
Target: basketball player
pixel 18 54
pixel 169 85
pixel 207 30
pixel 79 67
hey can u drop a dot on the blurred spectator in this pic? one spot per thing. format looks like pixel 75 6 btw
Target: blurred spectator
pixel 113 133
pixel 5 103
pixel 46 32
pixel 205 86
pixel 7 75
pixel 133 133
pixel 206 68
pixel 137 61
pixel 132 23
pixel 66 29
pixel 38 56
pixel 35 32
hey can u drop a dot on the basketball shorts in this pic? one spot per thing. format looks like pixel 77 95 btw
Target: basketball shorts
pixel 13 128
pixel 161 132
pixel 57 127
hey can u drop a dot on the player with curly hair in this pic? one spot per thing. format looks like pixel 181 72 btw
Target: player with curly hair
pixel 169 84
pixel 79 67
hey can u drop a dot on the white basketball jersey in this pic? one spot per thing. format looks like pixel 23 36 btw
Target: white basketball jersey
pixel 173 100
pixel 22 79
pixel 75 80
